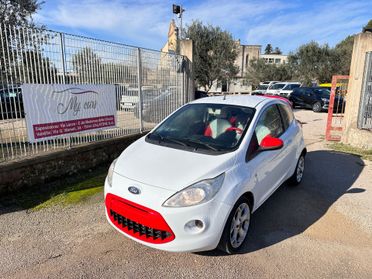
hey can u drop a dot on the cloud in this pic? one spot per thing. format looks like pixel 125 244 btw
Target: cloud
pixel 136 21
pixel 286 24
pixel 335 21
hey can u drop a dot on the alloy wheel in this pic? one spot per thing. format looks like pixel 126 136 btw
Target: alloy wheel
pixel 239 225
pixel 300 169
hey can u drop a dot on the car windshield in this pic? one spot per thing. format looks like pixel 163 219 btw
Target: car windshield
pixel 277 86
pixel 205 128
pixel 262 86
pixel 324 92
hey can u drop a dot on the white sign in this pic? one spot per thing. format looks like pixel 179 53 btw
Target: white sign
pixel 57 110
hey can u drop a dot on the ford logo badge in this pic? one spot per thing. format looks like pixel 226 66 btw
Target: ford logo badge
pixel 134 190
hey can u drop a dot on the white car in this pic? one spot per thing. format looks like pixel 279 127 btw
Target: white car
pixel 282 88
pixel 193 182
pixel 261 89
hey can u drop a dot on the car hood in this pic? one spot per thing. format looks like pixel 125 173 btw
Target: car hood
pixel 169 168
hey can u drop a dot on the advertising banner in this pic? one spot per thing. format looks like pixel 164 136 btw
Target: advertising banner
pixel 58 110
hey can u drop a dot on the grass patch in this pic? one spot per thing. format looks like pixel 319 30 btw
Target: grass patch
pixel 365 154
pixel 66 191
pixel 75 193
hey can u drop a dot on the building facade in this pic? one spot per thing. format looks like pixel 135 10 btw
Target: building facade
pixel 238 84
pixel 274 58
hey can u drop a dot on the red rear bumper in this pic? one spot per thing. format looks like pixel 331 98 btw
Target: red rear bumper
pixel 138 221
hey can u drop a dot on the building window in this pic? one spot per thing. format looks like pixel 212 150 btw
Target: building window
pixel 224 86
pixel 245 82
pixel 271 60
pixel 277 60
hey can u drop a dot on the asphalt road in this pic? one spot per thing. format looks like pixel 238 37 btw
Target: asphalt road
pixel 323 228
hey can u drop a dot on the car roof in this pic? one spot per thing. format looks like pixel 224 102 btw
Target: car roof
pixel 238 100
pixel 311 87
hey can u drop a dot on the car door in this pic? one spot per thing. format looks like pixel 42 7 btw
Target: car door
pixel 297 97
pixel 267 168
pixel 309 97
pixel 289 136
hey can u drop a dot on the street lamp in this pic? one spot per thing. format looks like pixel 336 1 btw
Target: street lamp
pixel 178 10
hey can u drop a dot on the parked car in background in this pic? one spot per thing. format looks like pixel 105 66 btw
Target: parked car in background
pixel 193 182
pixel 280 98
pixel 200 94
pixel 282 88
pixel 316 98
pixel 11 103
pixel 156 107
pixel 261 89
pixel 129 96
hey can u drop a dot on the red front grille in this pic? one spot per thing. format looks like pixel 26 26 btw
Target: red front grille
pixel 138 221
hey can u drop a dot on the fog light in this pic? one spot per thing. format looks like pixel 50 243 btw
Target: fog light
pixel 194 226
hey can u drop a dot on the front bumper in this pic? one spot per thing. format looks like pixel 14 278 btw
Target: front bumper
pixel 213 214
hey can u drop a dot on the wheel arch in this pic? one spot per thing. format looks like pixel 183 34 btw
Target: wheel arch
pixel 250 197
pixel 304 151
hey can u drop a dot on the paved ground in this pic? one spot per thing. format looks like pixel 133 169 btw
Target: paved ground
pixel 322 228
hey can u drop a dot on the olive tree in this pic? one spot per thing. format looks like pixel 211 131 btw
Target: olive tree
pixel 215 52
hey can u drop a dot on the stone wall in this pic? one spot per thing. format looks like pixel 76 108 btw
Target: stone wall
pixel 45 168
pixel 352 135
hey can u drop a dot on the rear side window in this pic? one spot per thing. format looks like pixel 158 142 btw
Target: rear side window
pixel 297 91
pixel 287 115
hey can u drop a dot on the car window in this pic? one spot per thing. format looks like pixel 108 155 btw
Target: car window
pixel 300 91
pixel 292 86
pixel 277 86
pixel 308 91
pixel 324 92
pixel 287 115
pixel 198 127
pixel 269 123
pixel 296 91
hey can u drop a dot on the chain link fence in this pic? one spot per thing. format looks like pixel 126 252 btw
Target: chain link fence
pixel 148 84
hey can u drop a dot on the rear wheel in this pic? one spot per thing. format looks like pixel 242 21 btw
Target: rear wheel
pixel 298 174
pixel 317 107
pixel 236 227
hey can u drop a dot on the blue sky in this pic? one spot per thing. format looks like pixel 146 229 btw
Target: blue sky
pixel 286 24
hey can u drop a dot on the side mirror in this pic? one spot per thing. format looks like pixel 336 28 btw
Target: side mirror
pixel 270 143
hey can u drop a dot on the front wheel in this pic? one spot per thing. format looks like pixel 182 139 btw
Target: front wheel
pixel 317 107
pixel 298 174
pixel 236 227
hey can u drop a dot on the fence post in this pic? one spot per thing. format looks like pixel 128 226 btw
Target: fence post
pixel 139 79
pixel 63 57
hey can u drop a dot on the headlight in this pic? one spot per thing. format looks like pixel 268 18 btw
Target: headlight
pixel 197 193
pixel 325 100
pixel 111 172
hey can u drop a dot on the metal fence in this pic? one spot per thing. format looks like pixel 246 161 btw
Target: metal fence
pixel 365 109
pixel 149 84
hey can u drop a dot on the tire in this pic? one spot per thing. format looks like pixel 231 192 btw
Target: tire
pixel 317 107
pixel 231 240
pixel 298 174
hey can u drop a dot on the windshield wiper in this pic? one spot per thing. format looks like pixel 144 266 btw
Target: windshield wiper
pixel 162 138
pixel 204 144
